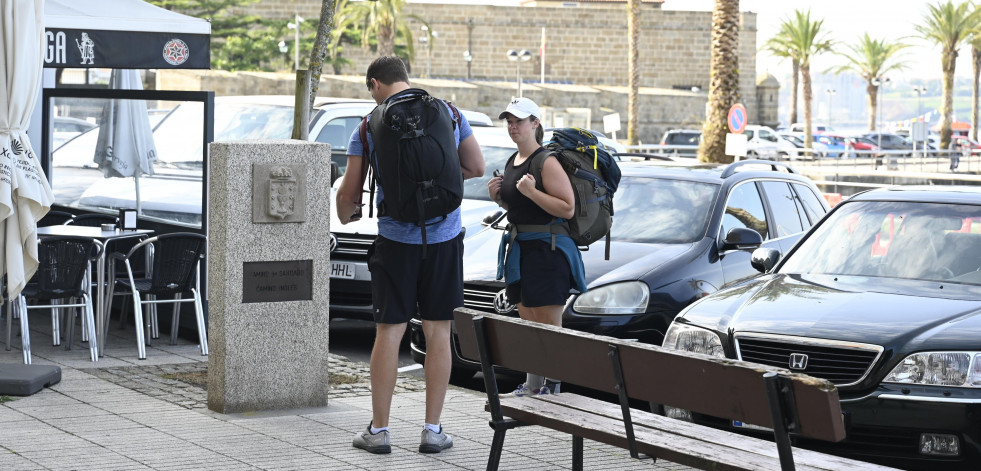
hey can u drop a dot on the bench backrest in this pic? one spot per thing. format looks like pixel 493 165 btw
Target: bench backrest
pixel 718 387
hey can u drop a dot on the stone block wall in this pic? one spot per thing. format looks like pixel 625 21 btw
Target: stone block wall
pixel 586 46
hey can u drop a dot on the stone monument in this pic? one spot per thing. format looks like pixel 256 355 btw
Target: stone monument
pixel 268 275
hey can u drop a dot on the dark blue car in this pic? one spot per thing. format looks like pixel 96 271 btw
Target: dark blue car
pixel 680 232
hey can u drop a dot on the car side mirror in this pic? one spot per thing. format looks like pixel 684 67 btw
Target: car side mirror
pixel 335 172
pixel 741 238
pixel 764 259
pixel 492 217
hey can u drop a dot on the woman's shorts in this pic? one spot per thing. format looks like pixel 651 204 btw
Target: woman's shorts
pixel 545 276
pixel 401 280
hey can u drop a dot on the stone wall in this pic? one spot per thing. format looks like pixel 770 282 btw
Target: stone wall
pixel 585 61
pixel 660 109
pixel 586 46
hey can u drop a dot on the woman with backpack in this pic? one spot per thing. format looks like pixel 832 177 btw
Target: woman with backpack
pixel 538 260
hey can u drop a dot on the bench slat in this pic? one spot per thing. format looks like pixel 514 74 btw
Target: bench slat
pixel 660 442
pixel 644 419
pixel 713 386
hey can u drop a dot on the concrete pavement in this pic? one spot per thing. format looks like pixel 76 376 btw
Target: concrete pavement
pixel 125 414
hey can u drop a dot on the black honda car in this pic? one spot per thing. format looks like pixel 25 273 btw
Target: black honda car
pixel 680 232
pixel 883 299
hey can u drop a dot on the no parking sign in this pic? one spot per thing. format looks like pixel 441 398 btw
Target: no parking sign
pixel 737 118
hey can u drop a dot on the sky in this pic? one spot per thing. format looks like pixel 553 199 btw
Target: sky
pixel 846 21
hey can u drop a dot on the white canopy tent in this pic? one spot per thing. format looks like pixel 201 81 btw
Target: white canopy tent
pixel 123 34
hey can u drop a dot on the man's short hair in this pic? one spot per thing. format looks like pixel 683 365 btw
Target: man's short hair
pixel 387 70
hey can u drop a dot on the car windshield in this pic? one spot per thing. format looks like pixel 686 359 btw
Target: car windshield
pixel 910 240
pixel 494 158
pixel 660 210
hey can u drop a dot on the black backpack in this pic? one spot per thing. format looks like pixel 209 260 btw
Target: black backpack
pixel 594 176
pixel 414 157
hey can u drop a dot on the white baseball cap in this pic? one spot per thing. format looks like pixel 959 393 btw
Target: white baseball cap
pixel 522 108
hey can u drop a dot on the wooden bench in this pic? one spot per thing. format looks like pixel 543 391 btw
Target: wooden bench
pixel 799 405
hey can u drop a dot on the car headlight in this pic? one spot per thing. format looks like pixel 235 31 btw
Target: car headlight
pixel 617 298
pixel 689 338
pixel 939 369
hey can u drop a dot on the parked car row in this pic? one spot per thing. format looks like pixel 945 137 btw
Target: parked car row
pixel 680 232
pixel 883 299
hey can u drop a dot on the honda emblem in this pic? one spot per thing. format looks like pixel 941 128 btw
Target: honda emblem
pixel 798 361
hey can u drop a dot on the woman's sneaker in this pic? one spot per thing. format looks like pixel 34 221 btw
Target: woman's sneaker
pixel 373 443
pixel 522 391
pixel 433 442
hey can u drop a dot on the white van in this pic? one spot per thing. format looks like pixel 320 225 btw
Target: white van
pixel 818 128
pixel 764 143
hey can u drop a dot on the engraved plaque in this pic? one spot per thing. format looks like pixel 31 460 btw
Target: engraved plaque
pixel 272 282
pixel 279 193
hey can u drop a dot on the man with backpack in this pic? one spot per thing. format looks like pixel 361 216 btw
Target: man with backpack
pixel 419 150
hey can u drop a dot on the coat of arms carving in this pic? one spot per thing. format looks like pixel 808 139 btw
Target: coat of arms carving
pixel 282 192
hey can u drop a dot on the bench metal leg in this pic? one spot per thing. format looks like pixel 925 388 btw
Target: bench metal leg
pixel 497 446
pixel 781 399
pixel 576 453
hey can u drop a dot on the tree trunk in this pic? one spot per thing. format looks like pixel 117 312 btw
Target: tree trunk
pixel 386 40
pixel 319 53
pixel 795 83
pixel 633 29
pixel 805 75
pixel 873 94
pixel 948 64
pixel 976 69
pixel 723 80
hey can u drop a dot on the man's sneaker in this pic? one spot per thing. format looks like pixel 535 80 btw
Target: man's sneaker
pixel 433 442
pixel 373 443
pixel 543 391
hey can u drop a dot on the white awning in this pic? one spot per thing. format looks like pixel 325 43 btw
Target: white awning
pixel 119 15
pixel 123 34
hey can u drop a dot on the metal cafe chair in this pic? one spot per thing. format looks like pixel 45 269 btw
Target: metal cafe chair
pixel 62 275
pixel 175 270
pixel 55 218
pixel 94 220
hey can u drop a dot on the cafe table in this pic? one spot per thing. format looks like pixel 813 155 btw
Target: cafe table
pixel 101 309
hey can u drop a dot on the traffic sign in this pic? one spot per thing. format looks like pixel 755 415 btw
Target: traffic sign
pixel 737 118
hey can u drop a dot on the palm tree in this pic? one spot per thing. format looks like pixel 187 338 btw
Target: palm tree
pixel 776 50
pixel 975 41
pixel 382 20
pixel 723 81
pixel 948 25
pixel 803 39
pixel 872 58
pixel 633 107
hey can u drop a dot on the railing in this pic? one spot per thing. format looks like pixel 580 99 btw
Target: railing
pixel 931 161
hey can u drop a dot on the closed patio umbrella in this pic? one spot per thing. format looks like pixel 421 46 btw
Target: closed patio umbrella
pixel 25 195
pixel 125 145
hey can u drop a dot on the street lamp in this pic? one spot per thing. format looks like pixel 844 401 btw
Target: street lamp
pixel 468 54
pixel 283 48
pixel 427 39
pixel 830 93
pixel 468 58
pixel 878 82
pixel 523 55
pixel 295 25
pixel 919 94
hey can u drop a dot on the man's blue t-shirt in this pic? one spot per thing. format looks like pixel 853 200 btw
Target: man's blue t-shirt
pixel 407 232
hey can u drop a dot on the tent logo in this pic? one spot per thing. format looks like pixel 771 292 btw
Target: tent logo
pixel 175 52
pixel 87 48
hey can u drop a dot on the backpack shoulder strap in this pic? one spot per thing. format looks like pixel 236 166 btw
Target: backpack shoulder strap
pixel 365 167
pixel 456 114
pixel 538 164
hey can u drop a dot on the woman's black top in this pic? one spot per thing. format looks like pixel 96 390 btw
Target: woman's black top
pixel 521 209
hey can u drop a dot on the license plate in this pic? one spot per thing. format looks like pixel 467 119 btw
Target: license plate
pixel 743 425
pixel 342 270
